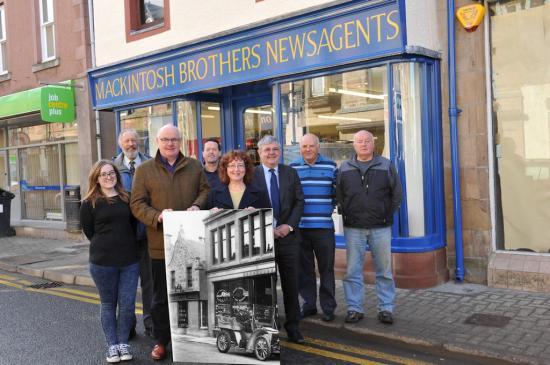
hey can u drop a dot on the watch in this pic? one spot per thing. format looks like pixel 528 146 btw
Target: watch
pixel 290 228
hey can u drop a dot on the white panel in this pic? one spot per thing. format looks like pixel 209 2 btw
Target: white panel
pixel 427 24
pixel 189 20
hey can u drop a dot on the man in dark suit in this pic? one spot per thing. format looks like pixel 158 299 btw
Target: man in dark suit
pixel 287 200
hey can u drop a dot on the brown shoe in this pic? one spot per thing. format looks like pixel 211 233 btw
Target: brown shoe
pixel 159 352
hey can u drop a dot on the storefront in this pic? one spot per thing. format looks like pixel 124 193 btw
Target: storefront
pixel 332 72
pixel 39 154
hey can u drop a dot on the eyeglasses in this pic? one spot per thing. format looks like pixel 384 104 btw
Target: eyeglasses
pixel 108 174
pixel 236 166
pixel 169 140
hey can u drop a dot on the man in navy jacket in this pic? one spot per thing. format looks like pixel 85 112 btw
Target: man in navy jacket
pixel 287 200
pixel 368 194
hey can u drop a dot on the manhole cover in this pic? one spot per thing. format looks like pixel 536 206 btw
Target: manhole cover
pixel 47 285
pixel 487 320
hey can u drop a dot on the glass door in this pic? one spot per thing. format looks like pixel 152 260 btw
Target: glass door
pixel 255 119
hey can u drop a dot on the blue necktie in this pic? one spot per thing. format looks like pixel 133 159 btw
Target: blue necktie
pixel 274 190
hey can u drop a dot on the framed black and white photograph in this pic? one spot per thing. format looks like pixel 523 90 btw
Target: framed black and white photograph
pixel 221 281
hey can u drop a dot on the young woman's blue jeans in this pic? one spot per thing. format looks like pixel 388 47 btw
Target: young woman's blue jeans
pixel 379 241
pixel 116 286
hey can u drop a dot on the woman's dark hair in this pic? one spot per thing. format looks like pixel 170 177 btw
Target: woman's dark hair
pixel 94 189
pixel 239 156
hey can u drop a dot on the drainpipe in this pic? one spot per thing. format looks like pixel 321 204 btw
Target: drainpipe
pixel 92 54
pixel 455 168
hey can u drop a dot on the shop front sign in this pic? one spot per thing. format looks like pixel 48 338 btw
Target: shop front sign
pixel 57 104
pixel 371 31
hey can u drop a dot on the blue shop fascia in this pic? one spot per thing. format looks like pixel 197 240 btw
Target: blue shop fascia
pixel 331 72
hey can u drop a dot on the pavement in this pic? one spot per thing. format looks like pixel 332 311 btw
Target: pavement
pixel 498 325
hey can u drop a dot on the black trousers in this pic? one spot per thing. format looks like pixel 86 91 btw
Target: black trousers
pixel 317 244
pixel 146 283
pixel 287 256
pixel 159 308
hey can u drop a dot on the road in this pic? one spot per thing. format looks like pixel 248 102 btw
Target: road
pixel 60 325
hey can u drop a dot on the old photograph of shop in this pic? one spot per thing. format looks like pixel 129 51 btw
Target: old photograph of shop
pixel 221 281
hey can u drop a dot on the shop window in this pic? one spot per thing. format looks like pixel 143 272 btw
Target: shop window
pixel 3 45
pixel 232 252
pixel 147 121
pixel 245 245
pixel 257 238
pixel 258 121
pixel 187 124
pixel 268 218
pixel 189 272
pixel 214 240
pixel 225 246
pixel 521 117
pixel 407 100
pixel 146 18
pixel 355 100
pixel 210 121
pixel 47 30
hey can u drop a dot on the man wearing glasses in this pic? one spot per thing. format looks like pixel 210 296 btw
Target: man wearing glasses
pixel 170 181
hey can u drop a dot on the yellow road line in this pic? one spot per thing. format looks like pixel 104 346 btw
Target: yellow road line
pixel 24 282
pixel 8 283
pixel 85 294
pixel 6 277
pixel 63 295
pixel 331 355
pixel 365 352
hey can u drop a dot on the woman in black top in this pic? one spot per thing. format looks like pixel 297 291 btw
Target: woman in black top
pixel 108 223
pixel 237 192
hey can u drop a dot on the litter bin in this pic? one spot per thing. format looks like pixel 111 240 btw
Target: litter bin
pixel 72 208
pixel 5 209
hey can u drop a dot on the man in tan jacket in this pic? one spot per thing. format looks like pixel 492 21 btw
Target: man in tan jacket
pixel 170 181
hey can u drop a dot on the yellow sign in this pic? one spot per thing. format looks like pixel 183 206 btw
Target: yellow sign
pixel 470 16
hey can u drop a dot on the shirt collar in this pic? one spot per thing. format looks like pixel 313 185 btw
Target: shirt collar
pixel 266 169
pixel 137 161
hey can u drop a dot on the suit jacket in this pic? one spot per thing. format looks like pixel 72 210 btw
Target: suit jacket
pixel 291 196
pixel 252 197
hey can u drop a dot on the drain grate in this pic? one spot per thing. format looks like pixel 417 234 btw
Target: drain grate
pixel 488 320
pixel 47 285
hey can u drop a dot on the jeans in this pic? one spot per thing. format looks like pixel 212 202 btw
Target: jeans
pixel 317 243
pixel 379 241
pixel 116 286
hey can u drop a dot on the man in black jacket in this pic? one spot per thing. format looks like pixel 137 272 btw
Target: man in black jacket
pixel 287 199
pixel 368 193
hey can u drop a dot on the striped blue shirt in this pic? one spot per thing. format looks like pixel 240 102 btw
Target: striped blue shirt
pixel 318 182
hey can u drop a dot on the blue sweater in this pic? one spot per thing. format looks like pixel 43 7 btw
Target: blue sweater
pixel 318 183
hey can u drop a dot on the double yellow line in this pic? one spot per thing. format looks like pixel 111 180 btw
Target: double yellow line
pixel 349 354
pixel 74 294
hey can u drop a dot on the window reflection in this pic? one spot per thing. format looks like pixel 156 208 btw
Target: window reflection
pixel 521 90
pixel 147 121
pixel 334 108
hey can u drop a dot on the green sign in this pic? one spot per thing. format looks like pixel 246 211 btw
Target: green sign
pixel 57 104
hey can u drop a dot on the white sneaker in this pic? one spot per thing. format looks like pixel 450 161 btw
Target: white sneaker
pixel 112 354
pixel 124 351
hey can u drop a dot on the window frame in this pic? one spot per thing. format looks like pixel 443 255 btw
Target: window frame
pixel 3 41
pixel 134 29
pixel 43 33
